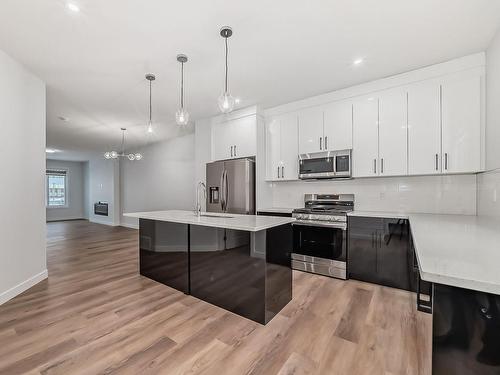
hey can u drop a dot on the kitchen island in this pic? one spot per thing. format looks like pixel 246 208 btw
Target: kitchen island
pixel 238 262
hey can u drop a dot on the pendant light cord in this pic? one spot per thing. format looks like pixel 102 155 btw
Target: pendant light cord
pixel 150 106
pixel 225 87
pixel 182 85
pixel 123 142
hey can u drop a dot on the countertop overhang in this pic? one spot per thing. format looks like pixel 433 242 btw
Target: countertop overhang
pixel 249 223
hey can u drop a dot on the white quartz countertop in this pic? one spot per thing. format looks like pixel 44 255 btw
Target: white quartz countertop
pixel 381 214
pixel 281 210
pixel 458 250
pixel 250 223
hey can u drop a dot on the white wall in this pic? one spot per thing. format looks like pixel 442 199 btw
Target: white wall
pixel 423 194
pixel 75 192
pixel 104 179
pixel 492 104
pixel 22 207
pixel 163 179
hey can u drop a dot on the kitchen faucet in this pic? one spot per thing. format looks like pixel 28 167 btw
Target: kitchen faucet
pixel 198 203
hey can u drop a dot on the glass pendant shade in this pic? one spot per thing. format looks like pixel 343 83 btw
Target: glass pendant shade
pixel 113 154
pixel 131 157
pixel 150 127
pixel 226 102
pixel 138 156
pixel 182 117
pixel 107 155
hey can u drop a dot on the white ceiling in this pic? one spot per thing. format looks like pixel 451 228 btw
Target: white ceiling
pixel 94 61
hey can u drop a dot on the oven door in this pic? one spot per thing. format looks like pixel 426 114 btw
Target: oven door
pixel 322 242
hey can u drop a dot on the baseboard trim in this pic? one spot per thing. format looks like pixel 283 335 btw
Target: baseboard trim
pixel 21 287
pixel 103 222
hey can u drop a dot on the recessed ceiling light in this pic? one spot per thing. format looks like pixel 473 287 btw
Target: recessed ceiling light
pixel 357 62
pixel 73 7
pixel 62 118
pixel 51 150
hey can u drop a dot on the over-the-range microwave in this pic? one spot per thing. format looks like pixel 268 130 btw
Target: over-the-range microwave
pixel 323 165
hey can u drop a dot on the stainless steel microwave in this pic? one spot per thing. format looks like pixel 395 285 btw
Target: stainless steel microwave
pixel 323 165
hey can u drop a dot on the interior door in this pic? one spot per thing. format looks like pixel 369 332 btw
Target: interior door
pixel 461 126
pixel 338 126
pixel 214 186
pixel 365 137
pixel 239 186
pixel 392 133
pixel 289 141
pixel 273 149
pixel 311 130
pixel 424 128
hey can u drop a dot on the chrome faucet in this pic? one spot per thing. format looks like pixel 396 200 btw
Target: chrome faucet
pixel 198 203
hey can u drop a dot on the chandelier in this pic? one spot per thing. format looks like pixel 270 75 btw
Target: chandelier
pixel 115 154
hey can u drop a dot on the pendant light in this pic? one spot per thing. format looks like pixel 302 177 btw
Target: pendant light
pixel 226 101
pixel 150 77
pixel 121 154
pixel 182 116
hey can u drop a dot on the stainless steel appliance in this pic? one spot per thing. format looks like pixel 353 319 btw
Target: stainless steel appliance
pixel 320 234
pixel 322 165
pixel 231 186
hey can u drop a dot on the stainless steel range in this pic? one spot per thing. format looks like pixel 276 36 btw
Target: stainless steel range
pixel 320 234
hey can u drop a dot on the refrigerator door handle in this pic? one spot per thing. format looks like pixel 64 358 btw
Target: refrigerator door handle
pixel 226 191
pixel 222 190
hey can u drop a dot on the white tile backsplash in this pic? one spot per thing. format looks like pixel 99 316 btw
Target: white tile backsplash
pixel 488 193
pixel 453 194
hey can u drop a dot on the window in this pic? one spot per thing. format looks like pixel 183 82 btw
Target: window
pixel 56 188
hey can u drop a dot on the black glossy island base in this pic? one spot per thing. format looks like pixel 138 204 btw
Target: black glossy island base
pixel 248 273
pixel 466 332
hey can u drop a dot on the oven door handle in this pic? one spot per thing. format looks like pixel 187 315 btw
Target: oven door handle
pixel 342 226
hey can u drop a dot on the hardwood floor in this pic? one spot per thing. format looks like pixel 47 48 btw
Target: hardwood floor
pixel 96 315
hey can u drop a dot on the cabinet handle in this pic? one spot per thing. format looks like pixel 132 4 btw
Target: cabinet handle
pixel 326 142
pixel 231 151
pixel 437 162
pixel 320 143
pixel 374 166
pixel 282 171
pixel 234 150
pixel 446 161
pixel 278 171
pixel 382 165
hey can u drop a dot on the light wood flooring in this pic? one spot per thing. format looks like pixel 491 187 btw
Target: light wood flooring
pixel 96 315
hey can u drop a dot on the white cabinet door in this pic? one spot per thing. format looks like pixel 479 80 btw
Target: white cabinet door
pixel 273 153
pixel 221 142
pixel 365 137
pixel 338 126
pixel 311 130
pixel 289 147
pixel 243 136
pixel 392 132
pixel 461 124
pixel 424 128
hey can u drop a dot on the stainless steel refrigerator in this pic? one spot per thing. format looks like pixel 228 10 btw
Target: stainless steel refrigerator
pixel 231 186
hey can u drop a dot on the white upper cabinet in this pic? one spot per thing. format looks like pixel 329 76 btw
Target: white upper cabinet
pixel 282 148
pixel 392 132
pixel 461 123
pixel 424 128
pixel 338 126
pixel 365 137
pixel 235 138
pixel 311 130
pixel 273 148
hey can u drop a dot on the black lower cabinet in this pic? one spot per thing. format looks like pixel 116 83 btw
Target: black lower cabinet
pixel 248 273
pixel 466 332
pixel 163 253
pixel 379 252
